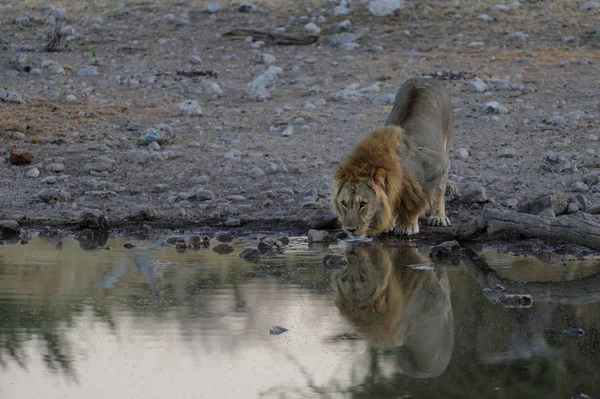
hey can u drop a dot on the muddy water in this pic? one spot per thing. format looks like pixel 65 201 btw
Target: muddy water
pixel 151 322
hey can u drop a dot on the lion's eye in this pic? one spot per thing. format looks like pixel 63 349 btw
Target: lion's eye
pixel 344 204
pixel 362 205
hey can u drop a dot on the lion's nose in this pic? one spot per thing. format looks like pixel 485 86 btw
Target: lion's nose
pixel 352 230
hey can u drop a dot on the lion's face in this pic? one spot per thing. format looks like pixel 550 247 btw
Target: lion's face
pixel 357 204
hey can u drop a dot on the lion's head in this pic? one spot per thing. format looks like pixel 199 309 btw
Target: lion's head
pixel 361 203
pixel 395 306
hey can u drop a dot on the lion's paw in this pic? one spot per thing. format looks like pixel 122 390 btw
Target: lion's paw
pixel 408 230
pixel 438 221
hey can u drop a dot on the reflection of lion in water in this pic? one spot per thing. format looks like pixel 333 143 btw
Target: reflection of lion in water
pixel 397 171
pixel 393 305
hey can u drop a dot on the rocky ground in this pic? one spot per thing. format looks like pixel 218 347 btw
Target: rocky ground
pixel 144 111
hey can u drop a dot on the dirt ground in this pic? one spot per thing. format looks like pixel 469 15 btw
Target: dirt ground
pixel 232 166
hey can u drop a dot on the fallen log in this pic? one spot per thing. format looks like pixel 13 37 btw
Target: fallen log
pixel 270 37
pixel 571 292
pixel 582 231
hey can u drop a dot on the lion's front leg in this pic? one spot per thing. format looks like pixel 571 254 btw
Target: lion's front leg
pixel 403 228
pixel 438 216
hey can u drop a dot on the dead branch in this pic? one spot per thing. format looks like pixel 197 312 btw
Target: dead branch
pixel 271 37
pixel 565 228
pixel 572 292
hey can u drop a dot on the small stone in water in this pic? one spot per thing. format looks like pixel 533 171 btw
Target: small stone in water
pixel 276 330
pixel 574 332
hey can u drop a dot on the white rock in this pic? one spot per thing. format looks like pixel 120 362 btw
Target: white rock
pixel 494 107
pixel 212 8
pixel 516 36
pixel 18 136
pixel 477 85
pixel 343 8
pixel 193 59
pixel 265 58
pixel 154 146
pixel 343 26
pixel 88 71
pixel 476 44
pixel 258 88
pixel 288 131
pixel 212 89
pixel 485 17
pixel 10 96
pixel 500 7
pixel 190 108
pixel 71 97
pixel 233 153
pixel 462 153
pixel 384 8
pixel 312 28
pixel 33 173
pixel 590 5
pixel 514 5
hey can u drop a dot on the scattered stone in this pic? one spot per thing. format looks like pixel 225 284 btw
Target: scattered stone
pixel 312 28
pixel 197 242
pixel 579 187
pixel 276 330
pixel 462 153
pixel 233 222
pixel 514 5
pixel 516 36
pixel 265 58
pixel 56 167
pixel 516 301
pixel 591 179
pixel 505 153
pixel 190 108
pixel 343 26
pixel 555 163
pixel 385 99
pixel 477 85
pixel 486 18
pixel 384 8
pixel 93 219
pixel 250 255
pixel 258 88
pixel 193 59
pixel 476 45
pixel 11 96
pixel 246 7
pixel 33 172
pixel 556 202
pixel 494 108
pixel 52 196
pixel 211 88
pixel 567 39
pixel 225 237
pixel 160 133
pixel 500 7
pixel 100 164
pixel 145 214
pixel 154 146
pixel 590 5
pixel 348 95
pixel 17 136
pixel 233 153
pixel 473 193
pixel 342 8
pixel 49 180
pixel 9 229
pixel 129 245
pixel 212 8
pixel 441 252
pixel 223 249
pixel 202 194
pixel 318 236
pixel 174 240
pixel 88 71
pixel 288 131
pixel 256 172
pixel 272 244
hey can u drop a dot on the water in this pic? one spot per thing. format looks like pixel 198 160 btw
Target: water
pixel 150 322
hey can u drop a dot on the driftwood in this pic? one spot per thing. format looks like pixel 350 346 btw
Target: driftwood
pixel 271 37
pixel 573 292
pixel 564 228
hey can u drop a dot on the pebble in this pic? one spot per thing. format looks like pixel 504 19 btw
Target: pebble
pixel 579 187
pixel 384 99
pixel 462 153
pixel 505 153
pixel 18 136
pixel 160 133
pixel 342 8
pixel 516 36
pixel 49 180
pixel 276 330
pixel 33 173
pixel 212 8
pixel 212 88
pixel 265 58
pixel 318 236
pixel 154 146
pixel 246 7
pixel 233 153
pixel 56 167
pixel 93 219
pixel 348 95
pixel 590 5
pixel 476 44
pixel 100 164
pixel 312 28
pixel 256 172
pixel 385 8
pixel 485 17
pixel 477 85
pixel 500 7
pixel 11 96
pixel 54 195
pixel 193 59
pixel 250 255
pixel 494 108
pixel 9 229
pixel 473 193
pixel 258 88
pixel 88 71
pixel 555 163
pixel 190 108
pixel 567 39
pixel 343 26
pixel 223 249
pixel 288 131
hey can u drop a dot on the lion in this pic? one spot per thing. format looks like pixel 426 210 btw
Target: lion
pixel 400 170
pixel 394 306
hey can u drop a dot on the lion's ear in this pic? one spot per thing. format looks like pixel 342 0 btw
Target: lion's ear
pixel 379 177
